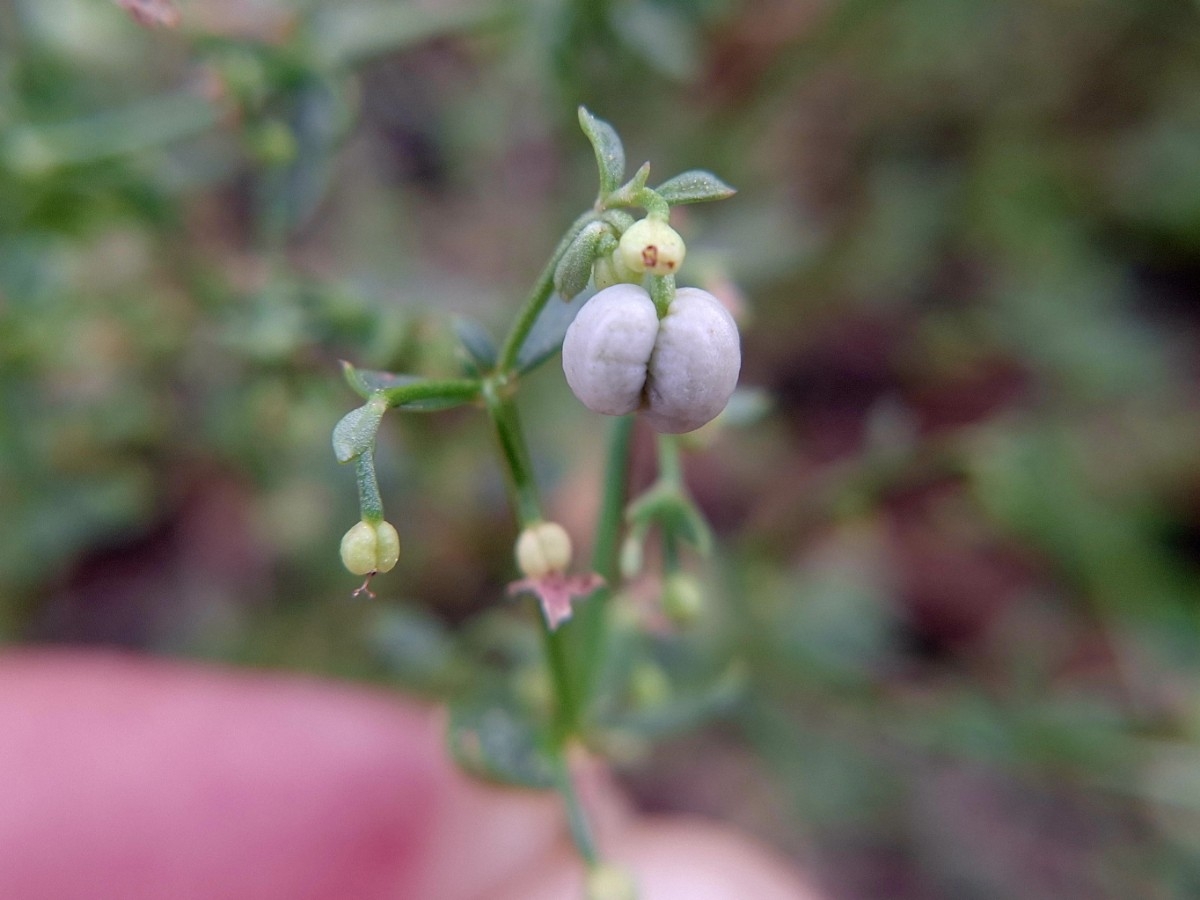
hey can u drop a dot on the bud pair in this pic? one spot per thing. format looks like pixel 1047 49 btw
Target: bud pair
pixel 370 547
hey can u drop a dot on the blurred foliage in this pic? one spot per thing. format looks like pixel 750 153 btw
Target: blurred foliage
pixel 950 630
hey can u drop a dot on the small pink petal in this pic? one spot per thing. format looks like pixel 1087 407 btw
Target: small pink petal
pixel 151 12
pixel 555 591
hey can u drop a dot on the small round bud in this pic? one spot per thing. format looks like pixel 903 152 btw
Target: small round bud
pixel 632 555
pixel 682 600
pixel 610 270
pixel 651 245
pixel 370 547
pixel 609 882
pixel 649 686
pixel 542 549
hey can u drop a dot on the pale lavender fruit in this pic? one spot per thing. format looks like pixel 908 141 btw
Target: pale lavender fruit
pixel 681 371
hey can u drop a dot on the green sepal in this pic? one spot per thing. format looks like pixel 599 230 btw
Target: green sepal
pixel 696 186
pixel 635 193
pixel 674 513
pixel 610 153
pixel 355 433
pixel 493 741
pixel 574 268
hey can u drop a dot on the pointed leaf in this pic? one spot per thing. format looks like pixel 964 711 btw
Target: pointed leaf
pixel 696 186
pixel 610 153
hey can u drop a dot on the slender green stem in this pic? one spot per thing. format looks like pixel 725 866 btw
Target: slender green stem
pixel 542 291
pixel 670 466
pixel 522 487
pixel 581 832
pixel 566 717
pixel 370 503
pixel 528 507
pixel 592 615
pixel 451 390
pixel 605 553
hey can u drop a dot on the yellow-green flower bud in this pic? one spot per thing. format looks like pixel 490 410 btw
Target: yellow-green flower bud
pixel 682 600
pixel 370 547
pixel 608 882
pixel 543 548
pixel 610 270
pixel 651 245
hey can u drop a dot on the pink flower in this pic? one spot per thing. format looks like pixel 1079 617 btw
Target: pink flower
pixel 555 592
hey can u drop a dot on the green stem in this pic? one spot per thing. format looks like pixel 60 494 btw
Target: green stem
pixel 670 466
pixel 592 630
pixel 370 503
pixel 605 554
pixel 542 291
pixel 522 487
pixel 449 389
pixel 581 832
pixel 528 507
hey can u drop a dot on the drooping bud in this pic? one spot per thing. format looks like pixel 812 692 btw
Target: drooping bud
pixel 370 547
pixel 682 600
pixel 542 549
pixel 651 245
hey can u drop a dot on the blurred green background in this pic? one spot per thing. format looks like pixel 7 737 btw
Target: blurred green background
pixel 959 565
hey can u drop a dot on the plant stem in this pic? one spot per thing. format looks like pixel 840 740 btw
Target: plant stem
pixel 592 618
pixel 581 832
pixel 449 389
pixel 370 503
pixel 670 469
pixel 522 487
pixel 543 289
pixel 528 507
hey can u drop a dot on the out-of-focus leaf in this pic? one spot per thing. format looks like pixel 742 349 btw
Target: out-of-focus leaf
pixel 494 742
pixel 477 342
pixel 610 152
pixel 349 33
pixel 685 710
pixel 546 336
pixel 696 186
pixel 661 35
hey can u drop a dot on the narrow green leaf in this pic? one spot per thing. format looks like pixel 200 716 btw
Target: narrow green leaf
pixel 355 380
pixel 696 186
pixel 574 268
pixel 610 153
